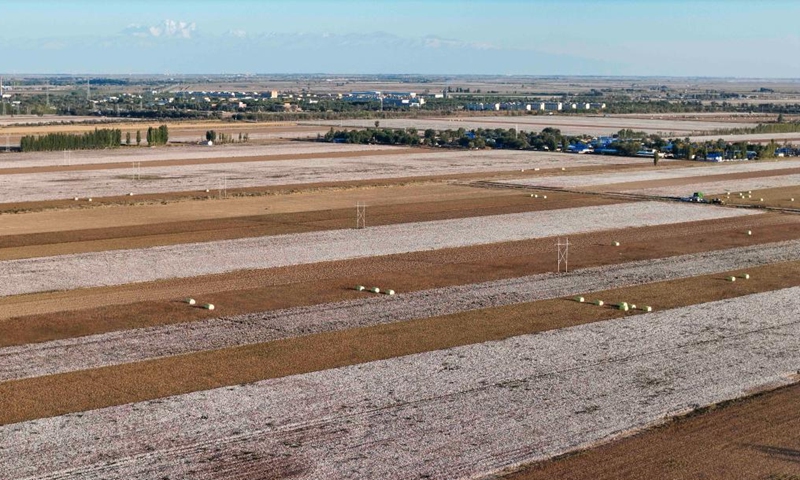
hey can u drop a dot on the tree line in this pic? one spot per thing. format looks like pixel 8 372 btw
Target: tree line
pixel 157 136
pixel 98 139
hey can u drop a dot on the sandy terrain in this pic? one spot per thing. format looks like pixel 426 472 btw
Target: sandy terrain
pixel 521 399
pixel 128 266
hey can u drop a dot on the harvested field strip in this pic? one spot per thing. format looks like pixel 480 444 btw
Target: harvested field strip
pixel 173 233
pixel 208 161
pixel 116 348
pixel 743 185
pixel 732 182
pixel 52 316
pixel 754 437
pixel 732 170
pixel 146 155
pixel 130 266
pixel 31 187
pixel 461 412
pixel 47 396
pixel 161 198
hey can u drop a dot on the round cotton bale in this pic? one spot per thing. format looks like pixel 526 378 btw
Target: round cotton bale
pixel 544 197
pixel 209 306
pixel 749 192
pixel 191 301
pixel 532 195
pixel 88 199
pixel 791 199
pixel 616 244
pixel 207 190
pixel 760 199
pixel 360 288
pixel 522 170
pixel 746 276
pixel 375 290
pixel 580 299
pixel 624 307
pixel 731 279
pixel 536 195
pixel 535 169
pixel 749 232
pixel 390 292
pixel 563 169
pixel 599 303
pixel 648 309
pixel 749 196
pixel 633 306
pixel 130 194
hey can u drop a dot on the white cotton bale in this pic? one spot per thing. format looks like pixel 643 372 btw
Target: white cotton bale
pixel 599 303
pixel 207 190
pixel 624 307
pixel 580 299
pixel 544 197
pixel 746 276
pixel 209 306
pixel 536 196
pixel 535 169
pixel 616 244
pixel 522 170
pixel 390 292
pixel 633 306
pixel 749 232
pixel 731 279
pixel 760 199
pixel 130 194
pixel 563 169
pixel 375 290
pixel 532 195
pixel 88 199
pixel 749 192
pixel 360 288
pixel 648 309
pixel 791 199
pixel 191 301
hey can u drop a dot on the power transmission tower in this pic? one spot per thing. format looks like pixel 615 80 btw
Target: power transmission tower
pixel 563 255
pixel 361 215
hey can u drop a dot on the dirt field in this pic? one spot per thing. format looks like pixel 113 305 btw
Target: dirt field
pixel 473 271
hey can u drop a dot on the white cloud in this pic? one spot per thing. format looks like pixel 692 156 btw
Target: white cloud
pixel 168 29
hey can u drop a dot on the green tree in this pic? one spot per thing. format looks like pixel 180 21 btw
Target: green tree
pixel 138 137
pixel 127 138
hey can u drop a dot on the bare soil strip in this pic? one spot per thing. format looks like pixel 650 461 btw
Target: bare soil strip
pixel 58 315
pixel 751 438
pixel 187 260
pixel 54 395
pixel 134 346
pixel 456 413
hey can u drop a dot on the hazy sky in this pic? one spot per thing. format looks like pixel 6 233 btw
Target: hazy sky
pixel 755 38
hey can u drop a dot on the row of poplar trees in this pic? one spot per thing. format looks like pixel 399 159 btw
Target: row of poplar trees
pixel 98 139
pixel 102 138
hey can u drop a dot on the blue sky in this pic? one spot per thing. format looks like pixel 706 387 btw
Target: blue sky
pixel 538 37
